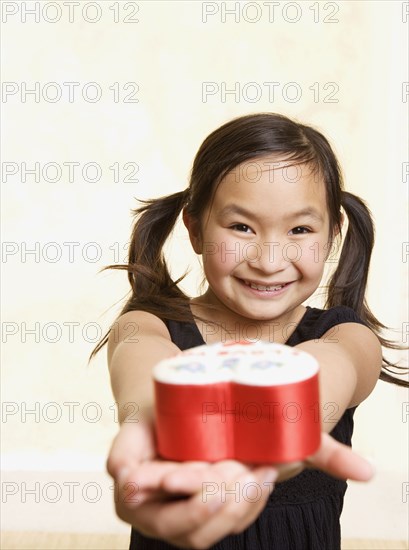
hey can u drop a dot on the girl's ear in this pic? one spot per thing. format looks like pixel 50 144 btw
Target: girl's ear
pixel 193 227
pixel 342 223
pixel 334 235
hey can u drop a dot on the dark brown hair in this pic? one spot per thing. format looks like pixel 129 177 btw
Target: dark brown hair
pixel 241 139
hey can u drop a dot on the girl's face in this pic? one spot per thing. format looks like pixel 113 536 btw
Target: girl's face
pixel 264 240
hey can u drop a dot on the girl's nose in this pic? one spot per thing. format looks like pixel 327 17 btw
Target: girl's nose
pixel 269 257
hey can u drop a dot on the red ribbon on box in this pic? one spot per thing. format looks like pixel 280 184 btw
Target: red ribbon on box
pixel 230 420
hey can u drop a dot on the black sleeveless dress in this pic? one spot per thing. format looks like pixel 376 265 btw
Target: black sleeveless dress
pixel 303 512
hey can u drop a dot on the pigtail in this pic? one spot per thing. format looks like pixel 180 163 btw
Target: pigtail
pixel 148 273
pixel 348 283
pixel 152 287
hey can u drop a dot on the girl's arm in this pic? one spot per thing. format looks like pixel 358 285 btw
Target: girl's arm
pixel 138 341
pixel 350 363
pixel 350 360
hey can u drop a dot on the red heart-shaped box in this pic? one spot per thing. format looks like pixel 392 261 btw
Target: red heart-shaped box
pixel 255 402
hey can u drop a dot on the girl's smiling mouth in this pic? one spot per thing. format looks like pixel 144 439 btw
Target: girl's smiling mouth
pixel 270 288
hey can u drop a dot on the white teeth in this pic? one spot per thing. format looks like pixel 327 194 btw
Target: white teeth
pixel 262 287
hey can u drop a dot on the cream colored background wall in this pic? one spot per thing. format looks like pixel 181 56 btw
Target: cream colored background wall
pixel 170 53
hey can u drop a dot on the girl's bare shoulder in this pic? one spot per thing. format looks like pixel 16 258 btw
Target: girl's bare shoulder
pixel 136 326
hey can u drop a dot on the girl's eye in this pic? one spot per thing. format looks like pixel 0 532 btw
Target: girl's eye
pixel 242 227
pixel 300 230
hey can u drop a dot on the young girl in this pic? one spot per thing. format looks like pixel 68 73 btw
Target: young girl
pixel 263 209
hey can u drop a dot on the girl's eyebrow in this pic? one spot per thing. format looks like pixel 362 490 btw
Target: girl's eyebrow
pixel 232 209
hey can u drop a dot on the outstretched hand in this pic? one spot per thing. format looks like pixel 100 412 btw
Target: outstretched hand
pixel 195 504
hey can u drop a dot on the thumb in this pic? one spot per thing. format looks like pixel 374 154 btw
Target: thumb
pixel 340 461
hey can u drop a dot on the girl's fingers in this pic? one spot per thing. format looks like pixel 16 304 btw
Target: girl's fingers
pixel 132 497
pixel 174 519
pixel 242 500
pixel 165 520
pixel 191 480
pixel 340 461
pixel 151 475
pixel 164 480
pixel 134 489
